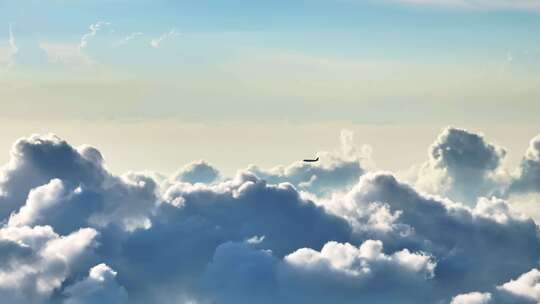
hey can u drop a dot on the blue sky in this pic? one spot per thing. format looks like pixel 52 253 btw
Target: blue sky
pixel 485 54
pixel 311 63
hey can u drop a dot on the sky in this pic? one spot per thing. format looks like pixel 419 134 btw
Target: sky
pixel 151 151
pixel 272 63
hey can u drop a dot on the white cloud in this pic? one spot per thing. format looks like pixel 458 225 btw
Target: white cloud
pixel 479 4
pixel 336 170
pixel 36 261
pixel 362 261
pixel 527 286
pixel 93 30
pixel 472 298
pixel 128 38
pixel 99 287
pixel 8 53
pixel 156 43
pixel 245 239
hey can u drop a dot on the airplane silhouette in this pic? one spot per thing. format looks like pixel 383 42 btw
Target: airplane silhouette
pixel 312 160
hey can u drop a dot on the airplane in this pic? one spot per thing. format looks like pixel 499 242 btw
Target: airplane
pixel 312 160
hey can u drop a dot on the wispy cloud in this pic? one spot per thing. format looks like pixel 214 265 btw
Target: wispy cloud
pixel 94 29
pixel 127 39
pixel 8 53
pixel 156 43
pixel 479 4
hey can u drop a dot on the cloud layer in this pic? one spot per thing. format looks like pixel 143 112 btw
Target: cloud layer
pixel 336 231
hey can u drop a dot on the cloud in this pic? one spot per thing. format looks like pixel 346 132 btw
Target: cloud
pixel 36 261
pixel 240 273
pixel 73 54
pixel 528 179
pixel 448 231
pixel 197 172
pixel 462 165
pixel 526 287
pixel 99 287
pixel 478 4
pixel 522 290
pixel 48 182
pixel 8 53
pixel 156 43
pixel 336 170
pixel 127 39
pixel 93 30
pixel 73 232
pixel 472 298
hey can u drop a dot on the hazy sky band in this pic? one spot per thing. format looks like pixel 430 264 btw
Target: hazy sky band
pixel 272 60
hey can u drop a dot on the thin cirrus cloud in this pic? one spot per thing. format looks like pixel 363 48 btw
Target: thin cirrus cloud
pixel 73 54
pixel 9 51
pixel 93 30
pixel 480 5
pixel 156 43
pixel 73 232
pixel 128 38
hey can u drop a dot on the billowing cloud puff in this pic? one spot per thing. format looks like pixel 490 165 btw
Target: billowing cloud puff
pixel 68 188
pixel 329 232
pixel 36 261
pixel 472 298
pixel 526 288
pixel 99 287
pixel 337 170
pixel 239 273
pixel 461 165
pixel 522 290
pixel 196 218
pixel 448 231
pixel 197 172
pixel 528 179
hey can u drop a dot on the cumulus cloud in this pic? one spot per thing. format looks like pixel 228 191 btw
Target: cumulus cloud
pixel 472 298
pixel 522 290
pixel 73 232
pixel 197 172
pixel 526 287
pixel 99 287
pixel 336 170
pixel 461 165
pixel 54 184
pixel 240 273
pixel 36 261
pixel 528 179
